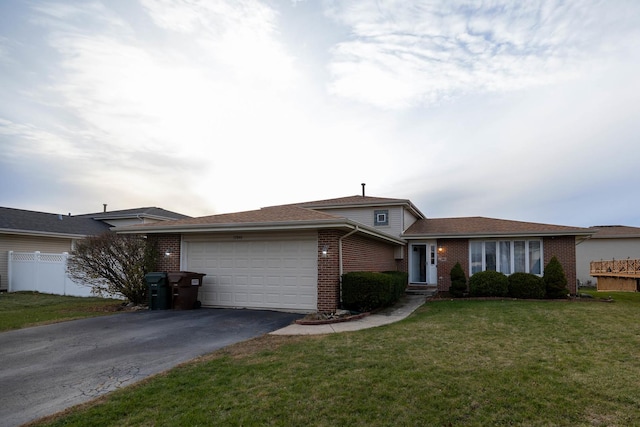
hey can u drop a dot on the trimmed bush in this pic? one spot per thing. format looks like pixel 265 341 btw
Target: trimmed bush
pixel 365 291
pixel 526 285
pixel 458 281
pixel 555 280
pixel 401 279
pixel 488 284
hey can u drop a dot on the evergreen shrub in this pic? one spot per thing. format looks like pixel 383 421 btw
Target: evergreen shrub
pixel 364 291
pixel 458 281
pixel 555 280
pixel 488 284
pixel 526 285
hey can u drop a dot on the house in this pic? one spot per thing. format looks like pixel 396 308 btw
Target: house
pixel 480 244
pixel 608 242
pixel 291 257
pixel 30 231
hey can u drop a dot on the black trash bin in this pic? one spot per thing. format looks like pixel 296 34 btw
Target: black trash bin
pixel 184 289
pixel 159 291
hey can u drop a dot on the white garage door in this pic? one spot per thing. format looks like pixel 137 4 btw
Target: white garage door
pixel 262 273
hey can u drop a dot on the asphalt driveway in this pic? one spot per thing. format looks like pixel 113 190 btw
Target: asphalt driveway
pixel 46 369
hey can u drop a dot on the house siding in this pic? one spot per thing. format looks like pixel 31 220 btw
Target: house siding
pixel 365 216
pixel 603 249
pixel 20 243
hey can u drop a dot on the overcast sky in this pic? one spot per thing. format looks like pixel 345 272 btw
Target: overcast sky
pixel 523 110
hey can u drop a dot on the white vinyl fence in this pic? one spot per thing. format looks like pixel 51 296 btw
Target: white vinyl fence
pixel 42 272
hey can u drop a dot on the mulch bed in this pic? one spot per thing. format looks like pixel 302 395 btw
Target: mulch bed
pixel 326 319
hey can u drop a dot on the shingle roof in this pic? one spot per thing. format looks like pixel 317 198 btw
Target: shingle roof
pixel 18 220
pixel 481 226
pixel 615 232
pixel 268 215
pixel 351 201
pixel 152 212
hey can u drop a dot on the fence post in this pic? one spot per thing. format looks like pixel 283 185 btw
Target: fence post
pixel 65 255
pixel 36 267
pixel 9 272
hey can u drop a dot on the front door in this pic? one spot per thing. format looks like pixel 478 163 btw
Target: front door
pixel 423 260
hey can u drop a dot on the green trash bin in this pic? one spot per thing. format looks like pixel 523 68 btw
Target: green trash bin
pixel 158 290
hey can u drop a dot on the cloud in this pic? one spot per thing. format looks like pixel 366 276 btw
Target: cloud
pixel 425 53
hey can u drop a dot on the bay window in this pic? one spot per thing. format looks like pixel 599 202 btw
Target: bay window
pixel 506 256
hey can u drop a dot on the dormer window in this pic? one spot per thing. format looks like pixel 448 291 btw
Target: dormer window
pixel 381 217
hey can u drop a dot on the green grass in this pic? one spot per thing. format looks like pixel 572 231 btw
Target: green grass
pixel 22 309
pixel 452 363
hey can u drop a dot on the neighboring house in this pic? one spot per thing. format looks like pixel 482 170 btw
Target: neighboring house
pixel 608 242
pixel 291 257
pixel 29 231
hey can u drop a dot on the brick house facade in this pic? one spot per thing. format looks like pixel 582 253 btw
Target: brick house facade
pixel 346 235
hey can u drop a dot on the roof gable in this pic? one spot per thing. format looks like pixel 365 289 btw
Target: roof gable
pixel 361 202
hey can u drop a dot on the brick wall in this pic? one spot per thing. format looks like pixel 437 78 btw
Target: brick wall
pixel 167 243
pixel 457 250
pixel 453 250
pixel 328 270
pixel 358 254
pixel 563 248
pixel 362 254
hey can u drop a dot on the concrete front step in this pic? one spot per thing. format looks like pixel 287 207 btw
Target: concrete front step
pixel 421 290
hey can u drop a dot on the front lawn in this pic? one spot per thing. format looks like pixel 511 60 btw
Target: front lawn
pixel 452 363
pixel 22 309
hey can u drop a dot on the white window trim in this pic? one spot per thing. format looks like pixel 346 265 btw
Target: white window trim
pixel 376 219
pixel 527 265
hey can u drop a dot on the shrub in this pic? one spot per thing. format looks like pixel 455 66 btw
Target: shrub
pixel 113 264
pixel 555 280
pixel 400 279
pixel 488 284
pixel 458 281
pixel 526 285
pixel 365 291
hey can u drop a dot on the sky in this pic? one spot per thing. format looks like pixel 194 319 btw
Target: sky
pixel 522 110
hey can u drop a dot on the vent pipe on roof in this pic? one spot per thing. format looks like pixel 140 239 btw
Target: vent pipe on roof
pixel 363 184
pixel 104 207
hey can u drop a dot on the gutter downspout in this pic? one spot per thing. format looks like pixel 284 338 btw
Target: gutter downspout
pixel 355 230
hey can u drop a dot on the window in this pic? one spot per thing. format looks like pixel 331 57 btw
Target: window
pixel 381 217
pixel 506 256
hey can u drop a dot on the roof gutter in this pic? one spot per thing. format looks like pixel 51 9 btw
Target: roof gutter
pixel 41 233
pixel 495 235
pixel 341 268
pixel 355 230
pixel 160 228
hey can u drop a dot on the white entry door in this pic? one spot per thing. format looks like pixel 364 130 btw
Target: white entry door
pixel 423 259
pixel 258 273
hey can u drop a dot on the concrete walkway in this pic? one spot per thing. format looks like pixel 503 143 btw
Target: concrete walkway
pixel 403 308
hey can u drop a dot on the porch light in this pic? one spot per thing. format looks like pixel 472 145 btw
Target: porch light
pixel 440 249
pixel 325 250
pixel 167 254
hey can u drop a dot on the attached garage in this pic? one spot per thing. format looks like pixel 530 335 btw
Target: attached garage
pixel 255 271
